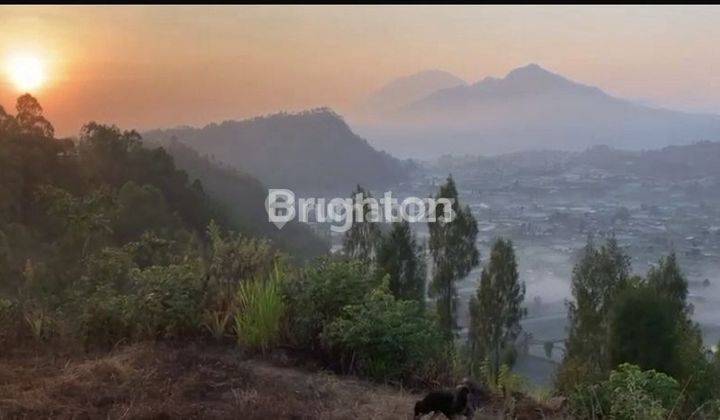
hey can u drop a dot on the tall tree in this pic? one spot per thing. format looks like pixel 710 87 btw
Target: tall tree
pixel 363 238
pixel 668 280
pixel 597 278
pixel 401 258
pixel 453 251
pixel 646 330
pixel 496 310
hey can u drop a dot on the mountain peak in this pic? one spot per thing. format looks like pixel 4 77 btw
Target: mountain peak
pixel 534 73
pixel 408 89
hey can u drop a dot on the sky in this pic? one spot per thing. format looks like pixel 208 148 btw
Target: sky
pixel 162 66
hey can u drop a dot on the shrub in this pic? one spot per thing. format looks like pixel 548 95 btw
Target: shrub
pixel 104 318
pixel 318 296
pixel 234 259
pixel 40 323
pixel 9 320
pixel 507 382
pixel 629 393
pixel 384 338
pixel 101 303
pixel 168 300
pixel 260 311
pixel 6 311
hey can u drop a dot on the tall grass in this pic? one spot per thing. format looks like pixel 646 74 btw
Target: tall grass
pixel 260 311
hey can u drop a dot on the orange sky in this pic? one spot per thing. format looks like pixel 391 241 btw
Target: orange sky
pixel 143 67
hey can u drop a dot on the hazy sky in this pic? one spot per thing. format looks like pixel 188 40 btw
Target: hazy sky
pixel 142 67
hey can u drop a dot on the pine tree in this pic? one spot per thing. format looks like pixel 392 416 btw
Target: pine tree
pixel 496 311
pixel 453 251
pixel 401 258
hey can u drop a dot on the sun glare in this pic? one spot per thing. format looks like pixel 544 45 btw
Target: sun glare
pixel 26 72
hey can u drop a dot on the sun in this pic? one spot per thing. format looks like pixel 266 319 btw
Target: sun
pixel 26 72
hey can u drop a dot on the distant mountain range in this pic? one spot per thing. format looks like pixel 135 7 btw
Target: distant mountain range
pixel 406 90
pixel 530 108
pixel 309 151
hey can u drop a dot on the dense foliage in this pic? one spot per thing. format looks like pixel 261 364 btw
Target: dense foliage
pixel 629 393
pixel 630 337
pixel 385 338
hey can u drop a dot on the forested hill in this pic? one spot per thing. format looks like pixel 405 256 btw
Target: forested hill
pixel 241 200
pixel 64 203
pixel 313 150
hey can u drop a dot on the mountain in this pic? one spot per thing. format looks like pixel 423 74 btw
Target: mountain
pixel 406 90
pixel 531 108
pixel 241 199
pixel 312 151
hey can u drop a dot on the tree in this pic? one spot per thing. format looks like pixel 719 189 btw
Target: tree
pixel 139 209
pixel 363 238
pixel 668 280
pixel 495 312
pixel 30 117
pixel 646 330
pixel 401 258
pixel 597 277
pixel 453 251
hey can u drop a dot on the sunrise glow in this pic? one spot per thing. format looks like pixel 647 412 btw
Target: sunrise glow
pixel 26 72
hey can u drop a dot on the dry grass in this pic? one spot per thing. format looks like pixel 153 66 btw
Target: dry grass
pixel 190 380
pixel 185 381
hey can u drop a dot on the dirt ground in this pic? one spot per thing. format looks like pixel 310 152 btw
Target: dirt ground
pixel 187 380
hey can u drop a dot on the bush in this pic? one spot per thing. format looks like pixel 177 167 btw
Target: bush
pixel 6 311
pixel 629 393
pixel 318 296
pixel 101 303
pixel 105 318
pixel 260 310
pixel 384 338
pixel 169 300
pixel 507 382
pixel 234 260
pixel 9 315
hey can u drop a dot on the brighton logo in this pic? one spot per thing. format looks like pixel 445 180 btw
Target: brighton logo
pixel 283 207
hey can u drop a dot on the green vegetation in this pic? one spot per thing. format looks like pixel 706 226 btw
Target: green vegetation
pixel 633 351
pixel 385 338
pixel 454 254
pixel 629 393
pixel 104 241
pixel 320 294
pixel 260 308
pixel 402 259
pixel 496 311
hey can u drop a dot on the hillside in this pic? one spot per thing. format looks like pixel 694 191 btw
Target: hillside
pixel 241 198
pixel 313 150
pixel 531 108
pixel 194 380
